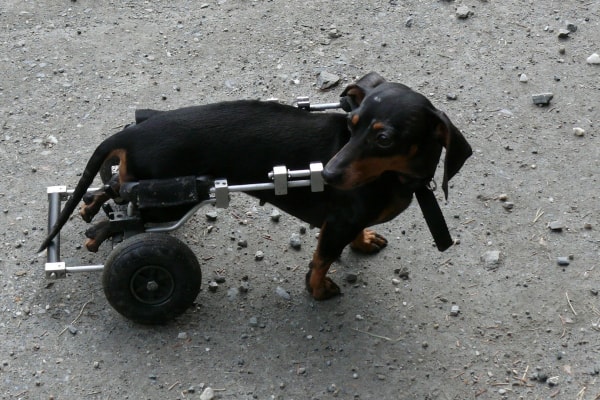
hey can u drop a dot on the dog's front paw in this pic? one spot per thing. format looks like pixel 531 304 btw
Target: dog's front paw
pixel 368 242
pixel 323 289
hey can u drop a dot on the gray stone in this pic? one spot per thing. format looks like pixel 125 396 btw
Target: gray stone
pixel 463 12
pixel 281 292
pixel 327 80
pixel 542 99
pixel 259 255
pixel 491 258
pixel 295 241
pixel 563 33
pixel 211 215
pixel 556 226
pixel 563 261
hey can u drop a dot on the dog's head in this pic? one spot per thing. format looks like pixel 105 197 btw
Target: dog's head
pixel 394 129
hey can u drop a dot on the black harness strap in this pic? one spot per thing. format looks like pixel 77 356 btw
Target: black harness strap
pixel 434 218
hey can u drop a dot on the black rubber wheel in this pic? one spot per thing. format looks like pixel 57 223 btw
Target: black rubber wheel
pixel 151 278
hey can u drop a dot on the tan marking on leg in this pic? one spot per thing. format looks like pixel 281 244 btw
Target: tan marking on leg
pixel 368 241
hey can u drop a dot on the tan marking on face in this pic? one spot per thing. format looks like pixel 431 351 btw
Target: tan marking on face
pixel 368 169
pixel 355 118
pixel 378 125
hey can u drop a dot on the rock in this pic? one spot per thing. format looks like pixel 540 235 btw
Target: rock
pixel 523 78
pixel 491 258
pixel 211 215
pixel 350 277
pixel 578 131
pixel 463 12
pixel 334 33
pixel 213 286
pixel 542 99
pixel 451 96
pixel 72 330
pixel 552 381
pixel 454 310
pixel 571 27
pixel 275 215
pixel 563 33
pixel 182 335
pixel 593 59
pixel 281 292
pixel 253 322
pixel 409 22
pixel 508 205
pixel 556 226
pixel 242 243
pixel 563 261
pixel 207 394
pixel 295 241
pixel 327 80
pixel 259 255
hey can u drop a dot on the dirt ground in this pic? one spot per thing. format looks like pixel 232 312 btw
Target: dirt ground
pixel 73 72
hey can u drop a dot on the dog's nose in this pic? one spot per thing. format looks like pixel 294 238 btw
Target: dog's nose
pixel 331 176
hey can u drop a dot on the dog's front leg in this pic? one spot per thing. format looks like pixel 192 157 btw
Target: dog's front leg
pixel 332 240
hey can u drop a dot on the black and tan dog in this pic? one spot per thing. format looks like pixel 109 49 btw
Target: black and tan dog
pixel 376 156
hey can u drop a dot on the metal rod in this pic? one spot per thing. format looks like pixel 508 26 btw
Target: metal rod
pixel 85 268
pixel 183 220
pixel 53 250
pixel 325 106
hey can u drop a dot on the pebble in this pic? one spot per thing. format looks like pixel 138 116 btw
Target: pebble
pixel 571 27
pixel 593 59
pixel 509 205
pixel 242 243
pixel 408 22
pixel 182 335
pixel 454 310
pixel 578 131
pixel 552 381
pixel 295 241
pixel 556 226
pixel 259 255
pixel 211 215
pixel 542 99
pixel 523 78
pixel 491 257
pixel 562 261
pixel 253 322
pixel 350 277
pixel 213 286
pixel 463 12
pixel 451 96
pixel 563 33
pixel 275 215
pixel 327 80
pixel 281 292
pixel 207 394
pixel 72 330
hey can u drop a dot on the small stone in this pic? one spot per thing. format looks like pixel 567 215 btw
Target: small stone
pixel 96 365
pixel 571 27
pixel 454 310
pixel 219 278
pixel 542 99
pixel 327 80
pixel 552 381
pixel 562 50
pixel 396 281
pixel 578 131
pixel 587 226
pixel 207 394
pixel 244 287
pixel 359 317
pixel 275 215
pixel 556 226
pixel 213 286
pixel 503 197
pixel 281 292
pixel 593 59
pixel 563 261
pixel 563 33
pixel 72 330
pixel 350 277
pixel 509 205
pixel 451 96
pixel 408 22
pixel 253 322
pixel 334 33
pixel 523 78
pixel 463 12
pixel 182 335
pixel 491 257
pixel 259 255
pixel 295 241
pixel 211 215
pixel 242 243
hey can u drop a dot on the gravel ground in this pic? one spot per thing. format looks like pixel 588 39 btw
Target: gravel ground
pixel 495 317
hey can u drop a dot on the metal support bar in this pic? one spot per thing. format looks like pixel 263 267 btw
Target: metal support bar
pixel 304 104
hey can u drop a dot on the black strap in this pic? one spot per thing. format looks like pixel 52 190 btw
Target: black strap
pixel 434 218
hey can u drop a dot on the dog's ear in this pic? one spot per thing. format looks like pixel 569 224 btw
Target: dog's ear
pixel 457 148
pixel 354 93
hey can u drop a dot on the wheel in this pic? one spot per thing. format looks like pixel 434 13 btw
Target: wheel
pixel 151 278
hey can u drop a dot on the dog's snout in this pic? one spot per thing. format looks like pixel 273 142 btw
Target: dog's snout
pixel 331 176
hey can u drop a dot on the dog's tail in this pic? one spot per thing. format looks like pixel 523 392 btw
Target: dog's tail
pixel 104 151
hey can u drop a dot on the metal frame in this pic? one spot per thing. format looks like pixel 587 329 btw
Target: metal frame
pixel 281 177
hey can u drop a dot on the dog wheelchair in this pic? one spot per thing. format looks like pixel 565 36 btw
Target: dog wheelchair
pixel 151 277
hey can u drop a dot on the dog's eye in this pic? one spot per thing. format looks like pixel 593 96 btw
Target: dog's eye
pixel 383 139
